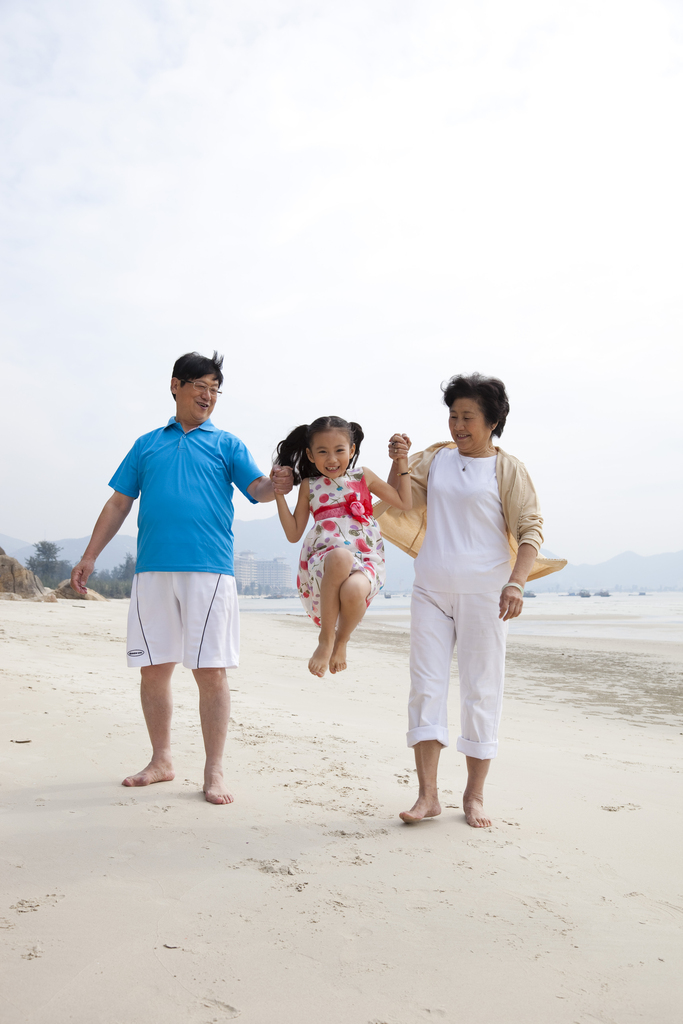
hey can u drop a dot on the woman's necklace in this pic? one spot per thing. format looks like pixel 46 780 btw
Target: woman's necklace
pixel 464 464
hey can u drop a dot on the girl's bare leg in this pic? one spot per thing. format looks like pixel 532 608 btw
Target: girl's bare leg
pixel 427 763
pixel 353 595
pixel 338 564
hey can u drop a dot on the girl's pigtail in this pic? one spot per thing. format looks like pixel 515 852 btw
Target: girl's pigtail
pixel 292 452
pixel 357 436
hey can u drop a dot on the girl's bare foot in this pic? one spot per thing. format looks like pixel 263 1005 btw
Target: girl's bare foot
pixel 156 771
pixel 473 806
pixel 338 657
pixel 424 807
pixel 215 790
pixel 320 659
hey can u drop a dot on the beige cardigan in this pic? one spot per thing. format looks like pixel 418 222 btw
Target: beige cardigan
pixel 518 497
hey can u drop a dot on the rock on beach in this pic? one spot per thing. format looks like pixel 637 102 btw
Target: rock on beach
pixel 65 592
pixel 16 579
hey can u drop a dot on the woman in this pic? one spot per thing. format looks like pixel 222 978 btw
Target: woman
pixel 473 555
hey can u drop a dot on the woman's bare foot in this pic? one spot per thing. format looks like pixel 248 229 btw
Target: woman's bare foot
pixel 320 659
pixel 156 771
pixel 215 790
pixel 338 656
pixel 473 806
pixel 424 807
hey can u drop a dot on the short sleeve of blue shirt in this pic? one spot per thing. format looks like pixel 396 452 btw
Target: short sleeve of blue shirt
pixel 185 483
pixel 126 479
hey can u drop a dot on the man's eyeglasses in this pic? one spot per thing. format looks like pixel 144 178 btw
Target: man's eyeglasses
pixel 198 386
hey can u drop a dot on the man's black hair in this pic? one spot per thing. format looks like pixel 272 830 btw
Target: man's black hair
pixel 192 365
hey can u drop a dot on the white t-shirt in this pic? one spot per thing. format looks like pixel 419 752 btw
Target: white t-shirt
pixel 465 549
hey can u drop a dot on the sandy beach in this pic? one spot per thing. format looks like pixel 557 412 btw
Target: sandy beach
pixel 308 899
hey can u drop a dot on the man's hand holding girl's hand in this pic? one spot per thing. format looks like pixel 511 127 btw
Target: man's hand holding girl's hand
pixel 283 479
pixel 399 446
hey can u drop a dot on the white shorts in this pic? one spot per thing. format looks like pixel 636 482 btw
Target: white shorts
pixel 191 617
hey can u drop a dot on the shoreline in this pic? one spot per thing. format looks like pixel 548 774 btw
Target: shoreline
pixel 308 898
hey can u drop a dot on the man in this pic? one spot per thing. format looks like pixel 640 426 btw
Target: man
pixel 184 600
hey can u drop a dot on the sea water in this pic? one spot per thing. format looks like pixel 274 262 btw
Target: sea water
pixel 657 615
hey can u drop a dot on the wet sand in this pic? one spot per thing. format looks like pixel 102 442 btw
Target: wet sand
pixel 308 899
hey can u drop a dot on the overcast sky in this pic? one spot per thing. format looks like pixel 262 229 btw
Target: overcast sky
pixel 353 201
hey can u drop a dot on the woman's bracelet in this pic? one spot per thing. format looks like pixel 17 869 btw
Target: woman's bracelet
pixel 407 473
pixel 511 584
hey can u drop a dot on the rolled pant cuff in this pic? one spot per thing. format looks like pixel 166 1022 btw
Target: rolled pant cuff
pixel 427 732
pixel 484 751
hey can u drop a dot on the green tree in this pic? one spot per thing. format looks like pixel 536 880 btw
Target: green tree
pixel 116 582
pixel 50 569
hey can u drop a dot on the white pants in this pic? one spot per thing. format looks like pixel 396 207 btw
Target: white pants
pixel 191 617
pixel 438 621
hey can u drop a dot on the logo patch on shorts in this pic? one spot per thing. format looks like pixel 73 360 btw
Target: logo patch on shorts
pixel 135 654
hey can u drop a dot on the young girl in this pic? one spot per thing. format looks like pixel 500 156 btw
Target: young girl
pixel 341 566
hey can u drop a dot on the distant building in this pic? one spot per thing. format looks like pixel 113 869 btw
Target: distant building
pixel 259 576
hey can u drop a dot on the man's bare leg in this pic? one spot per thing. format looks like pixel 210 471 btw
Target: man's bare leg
pixel 473 797
pixel 338 564
pixel 214 712
pixel 427 763
pixel 157 707
pixel 353 595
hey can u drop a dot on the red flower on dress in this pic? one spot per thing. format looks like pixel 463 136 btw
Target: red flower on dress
pixel 329 524
pixel 317 621
pixel 323 498
pixel 362 546
pixel 326 481
pixel 304 565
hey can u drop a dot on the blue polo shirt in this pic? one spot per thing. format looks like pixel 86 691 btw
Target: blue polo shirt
pixel 185 482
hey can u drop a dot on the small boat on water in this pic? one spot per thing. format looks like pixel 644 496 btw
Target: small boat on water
pixel 529 593
pixel 603 593
pixel 584 593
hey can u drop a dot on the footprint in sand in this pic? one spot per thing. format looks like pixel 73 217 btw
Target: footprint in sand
pixel 222 1010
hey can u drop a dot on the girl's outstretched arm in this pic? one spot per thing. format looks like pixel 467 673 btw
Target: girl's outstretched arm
pixel 399 496
pixel 294 524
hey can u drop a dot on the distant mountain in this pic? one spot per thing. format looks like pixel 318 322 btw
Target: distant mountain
pixel 12 544
pixel 72 549
pixel 627 571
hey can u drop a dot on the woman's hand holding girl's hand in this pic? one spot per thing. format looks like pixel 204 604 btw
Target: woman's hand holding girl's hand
pixel 399 446
pixel 511 603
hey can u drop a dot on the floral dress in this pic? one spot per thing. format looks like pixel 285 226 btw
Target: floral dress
pixel 342 509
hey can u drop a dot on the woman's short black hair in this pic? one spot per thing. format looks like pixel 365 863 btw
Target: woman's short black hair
pixel 488 392
pixel 192 365
pixel 292 451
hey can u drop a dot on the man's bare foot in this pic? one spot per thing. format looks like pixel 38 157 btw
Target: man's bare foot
pixel 215 790
pixel 338 656
pixel 160 771
pixel 473 806
pixel 320 659
pixel 422 808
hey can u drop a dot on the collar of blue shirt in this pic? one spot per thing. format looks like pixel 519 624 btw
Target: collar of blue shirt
pixel 206 425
